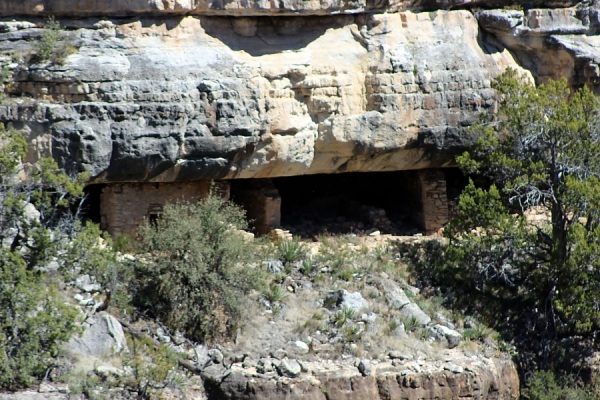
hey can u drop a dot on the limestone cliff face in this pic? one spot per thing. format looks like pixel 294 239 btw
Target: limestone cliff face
pixel 551 43
pixel 120 8
pixel 180 90
pixel 182 98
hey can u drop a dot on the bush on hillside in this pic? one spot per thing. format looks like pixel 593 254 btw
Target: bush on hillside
pixel 536 280
pixel 198 268
pixel 34 319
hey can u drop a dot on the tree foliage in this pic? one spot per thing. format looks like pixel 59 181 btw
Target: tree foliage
pixel 524 248
pixel 34 319
pixel 544 385
pixel 198 269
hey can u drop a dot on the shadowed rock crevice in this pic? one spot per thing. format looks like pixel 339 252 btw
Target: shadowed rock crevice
pixel 258 36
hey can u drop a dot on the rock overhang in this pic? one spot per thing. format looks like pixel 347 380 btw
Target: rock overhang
pixel 183 98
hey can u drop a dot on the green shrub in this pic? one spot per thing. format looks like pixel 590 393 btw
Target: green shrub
pixel 91 251
pixel 477 332
pixel 34 319
pixel 308 266
pixel 85 383
pixel 411 324
pixel 543 385
pixel 274 293
pixel 344 315
pixel 197 271
pixel 5 80
pixel 391 326
pixel 52 46
pixel 48 44
pixel 290 250
pixel 345 274
pixel 153 366
pixel 352 333
pixel 33 322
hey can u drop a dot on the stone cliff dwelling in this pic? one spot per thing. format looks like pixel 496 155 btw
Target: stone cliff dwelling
pixel 401 202
pixel 348 117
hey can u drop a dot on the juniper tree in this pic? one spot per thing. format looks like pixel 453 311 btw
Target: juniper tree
pixel 539 156
pixel 34 318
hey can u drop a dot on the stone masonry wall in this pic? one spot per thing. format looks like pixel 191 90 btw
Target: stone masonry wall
pixel 262 202
pixel 433 199
pixel 125 206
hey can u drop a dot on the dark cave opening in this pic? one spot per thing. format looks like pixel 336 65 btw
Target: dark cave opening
pixel 350 203
pixel 90 207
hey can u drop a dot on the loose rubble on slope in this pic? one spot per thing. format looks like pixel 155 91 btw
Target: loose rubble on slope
pixel 339 322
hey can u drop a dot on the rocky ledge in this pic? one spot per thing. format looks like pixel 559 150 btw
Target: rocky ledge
pixel 453 377
pixel 325 335
pixel 163 98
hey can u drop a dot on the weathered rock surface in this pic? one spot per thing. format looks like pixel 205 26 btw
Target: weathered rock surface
pixel 551 43
pixel 116 8
pixel 102 336
pixel 182 98
pixel 494 379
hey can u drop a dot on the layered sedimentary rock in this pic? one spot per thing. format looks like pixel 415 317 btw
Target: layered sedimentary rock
pixel 156 98
pixel 551 43
pixel 120 8
pixel 183 98
pixel 497 380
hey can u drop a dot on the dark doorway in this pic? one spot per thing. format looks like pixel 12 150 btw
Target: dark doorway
pixel 350 202
pixel 90 208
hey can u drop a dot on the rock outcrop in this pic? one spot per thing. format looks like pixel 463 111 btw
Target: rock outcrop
pixel 119 8
pixel 176 91
pixel 182 90
pixel 551 43
pixel 183 98
pixel 497 380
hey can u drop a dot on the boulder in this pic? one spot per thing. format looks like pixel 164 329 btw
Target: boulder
pixel 345 299
pixel 412 310
pixel 102 336
pixel 365 368
pixel 299 347
pixel 441 332
pixel 394 294
pixel 289 368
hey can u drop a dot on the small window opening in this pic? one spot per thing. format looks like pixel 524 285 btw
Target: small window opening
pixel 155 212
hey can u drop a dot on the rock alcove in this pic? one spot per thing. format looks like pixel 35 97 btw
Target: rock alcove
pixel 399 202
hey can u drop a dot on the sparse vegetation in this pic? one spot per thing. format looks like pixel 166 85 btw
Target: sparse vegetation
pixel 342 316
pixel 274 293
pixel 290 250
pixel 352 333
pixel 5 79
pixel 153 366
pixel 539 155
pixel 411 324
pixel 48 44
pixel 308 265
pixel 34 214
pixel 53 45
pixel 544 385
pixel 33 320
pixel 477 332
pixel 392 325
